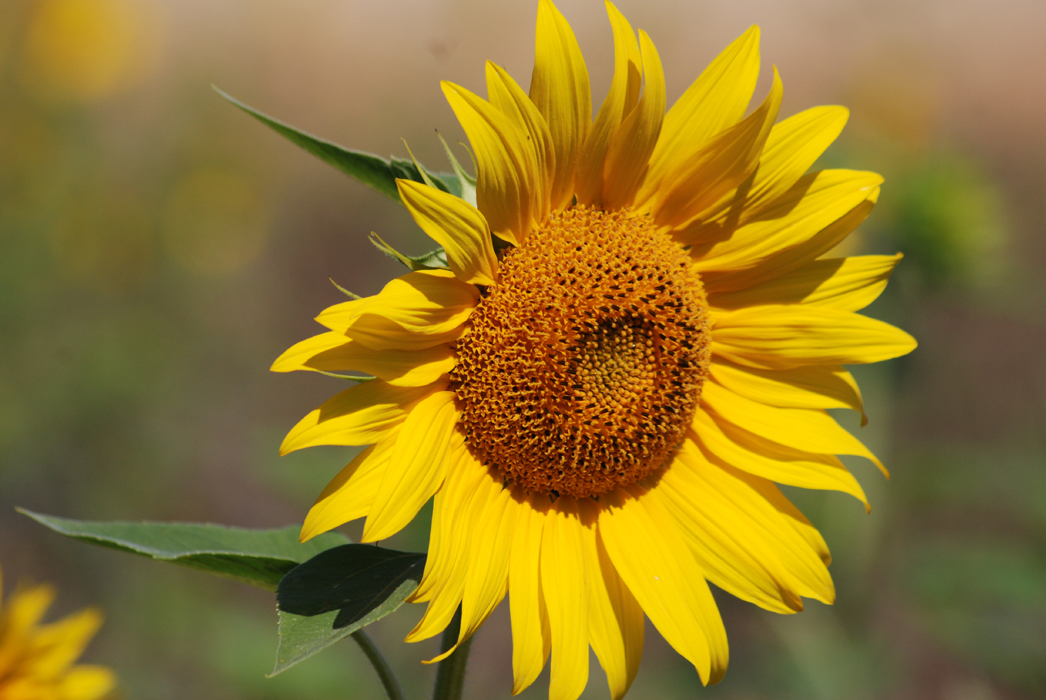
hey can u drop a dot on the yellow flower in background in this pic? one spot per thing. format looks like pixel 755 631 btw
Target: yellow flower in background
pixel 88 50
pixel 602 398
pixel 37 660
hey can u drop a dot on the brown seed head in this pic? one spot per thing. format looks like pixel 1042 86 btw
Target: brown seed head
pixel 584 363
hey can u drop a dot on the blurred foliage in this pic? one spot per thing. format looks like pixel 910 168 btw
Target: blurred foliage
pixel 158 249
pixel 946 215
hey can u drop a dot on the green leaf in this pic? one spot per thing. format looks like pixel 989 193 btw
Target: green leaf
pixel 338 592
pixel 433 260
pixel 257 557
pixel 370 169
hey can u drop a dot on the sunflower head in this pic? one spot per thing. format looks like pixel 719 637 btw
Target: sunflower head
pixel 583 365
pixel 602 403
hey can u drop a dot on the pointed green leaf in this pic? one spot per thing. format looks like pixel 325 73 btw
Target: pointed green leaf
pixel 338 592
pixel 257 557
pixel 370 169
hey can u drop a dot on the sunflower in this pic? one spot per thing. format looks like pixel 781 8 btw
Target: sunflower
pixel 637 336
pixel 36 661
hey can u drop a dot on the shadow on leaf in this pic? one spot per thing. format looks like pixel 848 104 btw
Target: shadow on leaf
pixel 354 579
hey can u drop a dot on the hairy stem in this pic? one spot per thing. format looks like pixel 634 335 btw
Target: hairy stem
pixel 450 677
pixel 392 686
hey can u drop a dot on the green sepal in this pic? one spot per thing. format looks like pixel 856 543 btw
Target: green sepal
pixel 359 379
pixel 466 182
pixel 350 295
pixel 370 169
pixel 338 592
pixel 432 260
pixel 258 557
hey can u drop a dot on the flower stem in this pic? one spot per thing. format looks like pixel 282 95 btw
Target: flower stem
pixel 450 677
pixel 392 687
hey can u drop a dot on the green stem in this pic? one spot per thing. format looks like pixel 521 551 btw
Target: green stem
pixel 392 687
pixel 450 677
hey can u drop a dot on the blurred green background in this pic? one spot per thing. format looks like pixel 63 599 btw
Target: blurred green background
pixel 158 249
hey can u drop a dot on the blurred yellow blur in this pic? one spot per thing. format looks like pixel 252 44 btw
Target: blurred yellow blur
pixel 898 95
pixel 88 50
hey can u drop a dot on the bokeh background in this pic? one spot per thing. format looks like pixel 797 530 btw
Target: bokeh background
pixel 158 249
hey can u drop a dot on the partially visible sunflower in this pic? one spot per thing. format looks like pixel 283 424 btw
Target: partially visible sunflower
pixel 602 399
pixel 37 660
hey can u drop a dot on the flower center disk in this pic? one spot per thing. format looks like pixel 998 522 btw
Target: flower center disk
pixel 584 363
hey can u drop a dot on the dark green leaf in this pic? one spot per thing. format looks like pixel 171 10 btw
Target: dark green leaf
pixel 370 169
pixel 258 557
pixel 338 592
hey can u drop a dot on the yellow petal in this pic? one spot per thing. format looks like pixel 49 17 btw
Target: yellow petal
pixel 417 467
pixel 507 187
pixel 812 386
pixel 846 284
pixel 795 256
pixel 748 452
pixel 791 149
pixel 564 581
pixel 814 202
pixel 726 161
pixel 486 580
pixel 457 226
pixel 615 620
pixel 360 415
pixel 652 558
pixel 459 486
pixel 298 356
pixel 631 146
pixel 25 608
pixel 415 300
pixel 781 337
pixel 507 96
pixel 629 614
pixel 715 101
pixel 340 316
pixel 18 618
pixel 58 645
pixel 619 102
pixel 416 311
pixel 437 542
pixel 791 515
pixel 351 493
pixel 86 682
pixel 459 505
pixel 336 352
pixel 560 91
pixel 801 429
pixel 759 528
pixel 531 636
pixel 729 548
